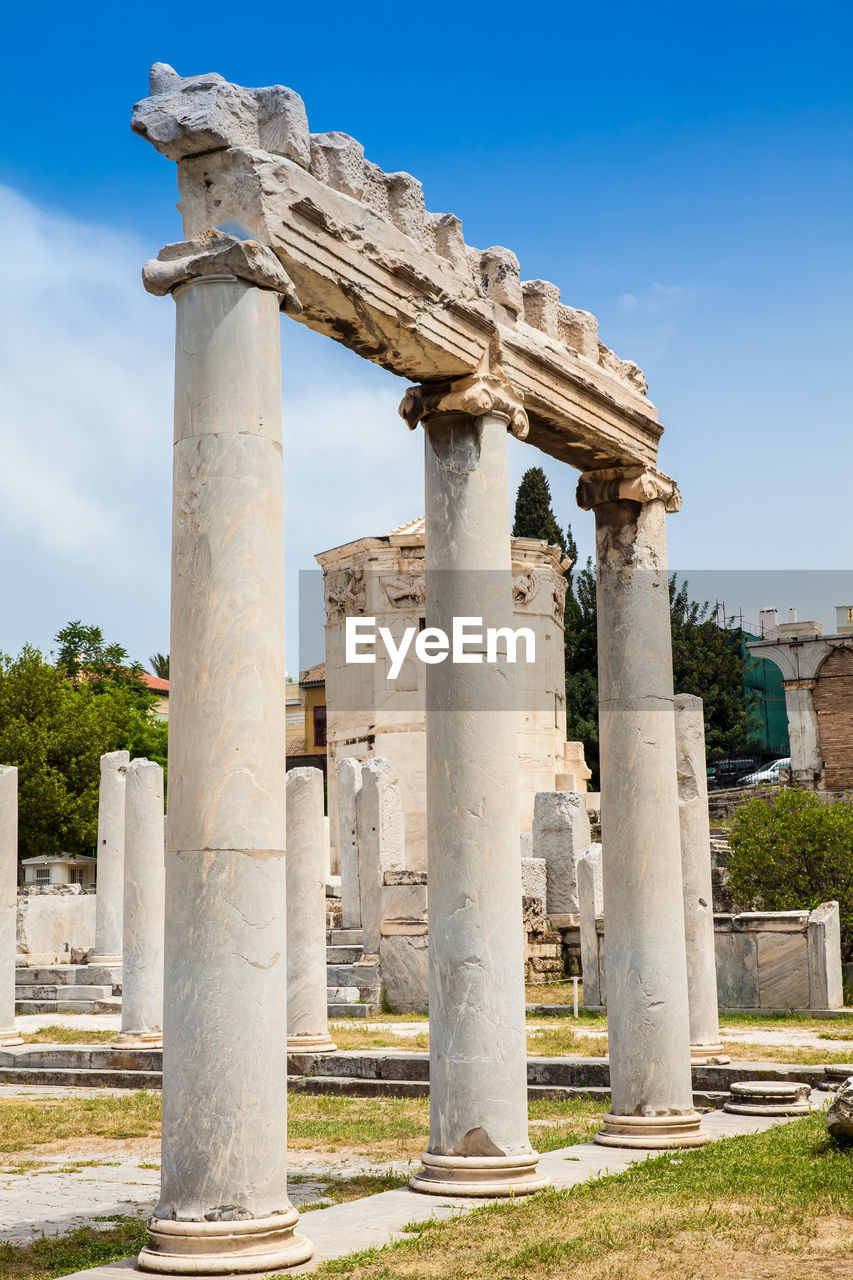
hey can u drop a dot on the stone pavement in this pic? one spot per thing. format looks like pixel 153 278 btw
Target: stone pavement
pixel 380 1219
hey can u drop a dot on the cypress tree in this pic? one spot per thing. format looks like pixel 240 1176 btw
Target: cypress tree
pixel 534 517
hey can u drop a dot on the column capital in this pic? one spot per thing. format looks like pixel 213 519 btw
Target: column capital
pixel 476 394
pixel 215 253
pixel 807 683
pixel 627 484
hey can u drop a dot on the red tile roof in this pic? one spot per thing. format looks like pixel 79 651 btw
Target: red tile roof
pixel 314 675
pixel 155 684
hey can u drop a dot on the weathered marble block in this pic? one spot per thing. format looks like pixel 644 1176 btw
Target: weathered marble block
pixel 379 812
pixel 561 835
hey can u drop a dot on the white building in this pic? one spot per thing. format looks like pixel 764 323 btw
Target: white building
pixel 60 868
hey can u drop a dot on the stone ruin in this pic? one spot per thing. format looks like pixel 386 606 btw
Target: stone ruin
pixel 279 219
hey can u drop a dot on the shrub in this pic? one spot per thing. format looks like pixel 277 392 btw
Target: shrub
pixel 793 852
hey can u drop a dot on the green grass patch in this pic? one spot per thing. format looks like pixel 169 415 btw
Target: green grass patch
pixel 777 1203
pixel 84 1247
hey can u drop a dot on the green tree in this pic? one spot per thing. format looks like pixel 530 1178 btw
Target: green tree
pixel 793 852
pixel 85 656
pixel 55 731
pixel 159 663
pixel 534 517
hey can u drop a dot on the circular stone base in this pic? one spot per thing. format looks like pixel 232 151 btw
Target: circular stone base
pixel 139 1040
pixel 708 1055
pixel 479 1175
pixel 311 1044
pixel 835 1074
pixel 768 1098
pixel 10 1037
pixel 224 1248
pixel 652 1133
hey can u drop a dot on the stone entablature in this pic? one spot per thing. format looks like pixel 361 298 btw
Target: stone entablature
pixel 416 298
pixel 368 715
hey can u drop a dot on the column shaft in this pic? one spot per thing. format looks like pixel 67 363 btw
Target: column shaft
pixel 478 1067
pixel 224 1204
pixel 8 901
pixel 647 1009
pixel 307 1001
pixel 705 1045
pixel 110 867
pixel 144 906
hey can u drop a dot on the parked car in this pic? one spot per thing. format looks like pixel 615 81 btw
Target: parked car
pixel 725 773
pixel 763 776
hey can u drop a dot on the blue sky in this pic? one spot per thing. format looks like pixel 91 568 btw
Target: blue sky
pixel 684 173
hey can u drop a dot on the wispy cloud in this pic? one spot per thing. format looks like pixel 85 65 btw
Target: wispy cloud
pixel 657 299
pixel 86 377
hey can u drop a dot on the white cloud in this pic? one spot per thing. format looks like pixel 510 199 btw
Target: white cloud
pixel 86 370
pixel 657 299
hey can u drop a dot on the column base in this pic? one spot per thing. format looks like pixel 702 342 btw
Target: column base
pixel 311 1044
pixel 708 1055
pixel 105 960
pixel 224 1248
pixel 10 1037
pixel 479 1175
pixel 652 1132
pixel 139 1039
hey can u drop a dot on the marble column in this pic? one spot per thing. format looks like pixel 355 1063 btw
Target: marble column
pixel 223 1204
pixel 110 867
pixel 8 901
pixel 647 1006
pixel 144 906
pixel 478 1141
pixel 307 1001
pixel 705 1044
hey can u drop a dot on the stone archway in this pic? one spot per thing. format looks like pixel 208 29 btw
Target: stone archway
pixel 833 702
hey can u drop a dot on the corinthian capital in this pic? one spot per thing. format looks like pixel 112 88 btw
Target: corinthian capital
pixel 214 253
pixel 477 394
pixel 627 484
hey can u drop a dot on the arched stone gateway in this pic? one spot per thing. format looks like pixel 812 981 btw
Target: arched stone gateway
pixel 833 703
pixel 279 219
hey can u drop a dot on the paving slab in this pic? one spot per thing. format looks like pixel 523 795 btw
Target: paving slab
pixel 379 1219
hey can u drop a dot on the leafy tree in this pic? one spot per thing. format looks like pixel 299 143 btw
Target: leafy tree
pixel 159 663
pixel 706 661
pixel 55 732
pixel 792 852
pixel 85 656
pixel 534 517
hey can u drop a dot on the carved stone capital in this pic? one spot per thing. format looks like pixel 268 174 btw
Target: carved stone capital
pixel 477 394
pixel 800 684
pixel 627 484
pixel 214 253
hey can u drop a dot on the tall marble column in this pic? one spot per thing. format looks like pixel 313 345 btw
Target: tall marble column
pixel 223 1204
pixel 647 1004
pixel 307 998
pixel 110 867
pixel 478 1141
pixel 705 1043
pixel 144 906
pixel 8 901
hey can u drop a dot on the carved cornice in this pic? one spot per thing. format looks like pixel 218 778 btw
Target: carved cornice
pixel 627 484
pixel 477 394
pixel 214 253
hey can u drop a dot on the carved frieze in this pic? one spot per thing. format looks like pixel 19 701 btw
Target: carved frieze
pixel 346 593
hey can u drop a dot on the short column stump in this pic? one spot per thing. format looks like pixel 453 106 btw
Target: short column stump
pixel 769 1098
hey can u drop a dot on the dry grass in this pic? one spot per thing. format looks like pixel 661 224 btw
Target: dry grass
pixel 355 1037
pixel 27 1122
pixel 67 1035
pixel 772 1205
